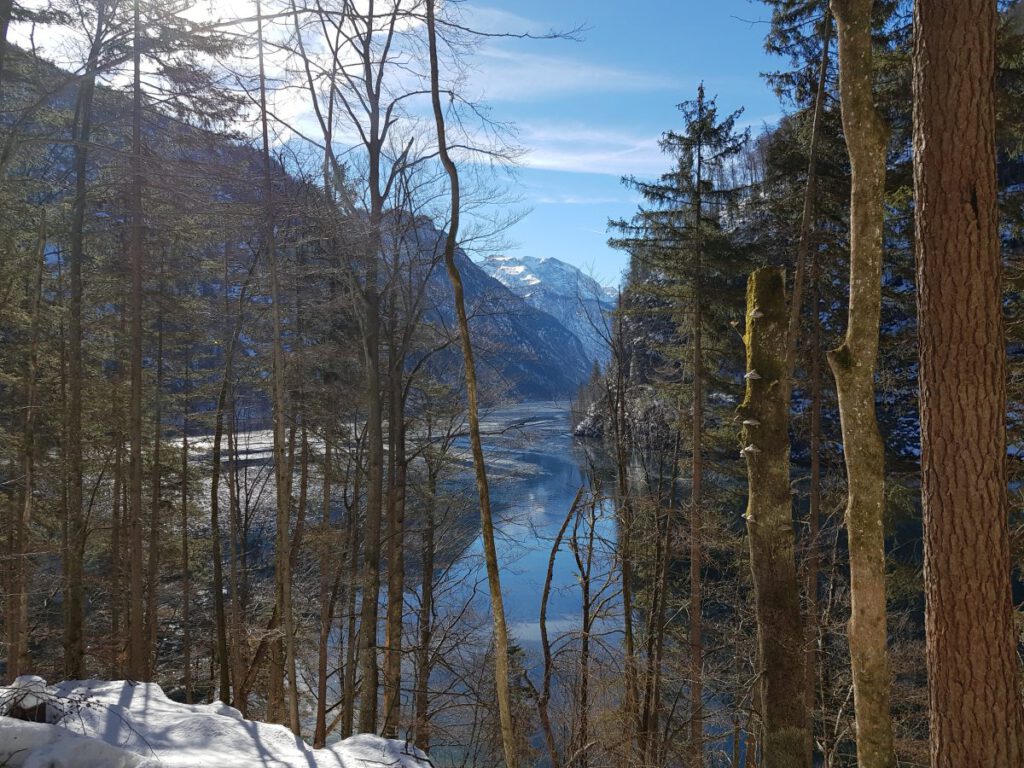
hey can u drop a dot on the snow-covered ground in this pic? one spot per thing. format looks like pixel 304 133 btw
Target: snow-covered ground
pixel 121 724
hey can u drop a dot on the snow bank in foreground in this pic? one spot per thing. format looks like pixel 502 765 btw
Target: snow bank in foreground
pixel 121 724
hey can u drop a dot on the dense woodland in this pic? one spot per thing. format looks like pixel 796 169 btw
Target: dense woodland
pixel 244 362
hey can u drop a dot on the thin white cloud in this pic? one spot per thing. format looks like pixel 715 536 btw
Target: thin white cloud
pixel 497 21
pixel 506 75
pixel 578 149
pixel 571 199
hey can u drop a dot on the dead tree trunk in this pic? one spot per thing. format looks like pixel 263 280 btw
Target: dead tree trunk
pixel 765 415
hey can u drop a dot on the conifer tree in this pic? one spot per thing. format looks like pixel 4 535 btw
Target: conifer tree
pixel 679 234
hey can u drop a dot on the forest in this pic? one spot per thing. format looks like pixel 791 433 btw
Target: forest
pixel 276 421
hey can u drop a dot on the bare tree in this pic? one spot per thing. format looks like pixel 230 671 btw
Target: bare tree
pixel 501 645
pixel 853 365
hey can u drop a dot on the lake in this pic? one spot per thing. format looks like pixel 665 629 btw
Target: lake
pixel 535 468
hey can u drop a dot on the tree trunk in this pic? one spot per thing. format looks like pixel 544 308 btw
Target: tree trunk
pixel 326 596
pixel 237 585
pixel 352 637
pixel 765 415
pixel 282 478
pixel 369 608
pixel 813 562
pixel 74 577
pixel 501 645
pixel 137 656
pixel 6 11
pixel 853 365
pixel 221 654
pixel 805 254
pixel 116 582
pixel 19 660
pixel 624 509
pixel 186 572
pixel 153 565
pixel 584 567
pixel 973 675
pixel 396 550
pixel 424 652
pixel 696 516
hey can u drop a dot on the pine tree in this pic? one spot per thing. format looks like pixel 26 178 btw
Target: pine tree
pixel 680 236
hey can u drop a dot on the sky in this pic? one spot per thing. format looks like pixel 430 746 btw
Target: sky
pixel 591 111
pixel 587 111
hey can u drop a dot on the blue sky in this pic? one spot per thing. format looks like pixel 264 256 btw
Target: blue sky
pixel 589 112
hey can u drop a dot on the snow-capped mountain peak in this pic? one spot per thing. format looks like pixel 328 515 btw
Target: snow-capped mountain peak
pixel 577 300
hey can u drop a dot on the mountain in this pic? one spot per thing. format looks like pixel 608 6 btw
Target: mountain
pixel 521 350
pixel 573 298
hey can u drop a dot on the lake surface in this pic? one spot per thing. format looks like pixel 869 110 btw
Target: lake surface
pixel 535 469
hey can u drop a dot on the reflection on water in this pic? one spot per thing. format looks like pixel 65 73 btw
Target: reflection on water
pixel 535 469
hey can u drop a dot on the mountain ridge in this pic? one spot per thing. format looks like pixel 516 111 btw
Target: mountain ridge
pixel 578 301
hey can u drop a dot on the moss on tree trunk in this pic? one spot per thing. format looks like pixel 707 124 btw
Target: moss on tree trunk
pixel 765 446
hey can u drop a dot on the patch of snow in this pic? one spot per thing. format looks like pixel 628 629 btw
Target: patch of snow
pixel 123 724
pixel 27 691
pixel 42 745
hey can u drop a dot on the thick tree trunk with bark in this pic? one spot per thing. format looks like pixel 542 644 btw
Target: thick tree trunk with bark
pixel 853 365
pixel 369 608
pixel 973 674
pixel 765 415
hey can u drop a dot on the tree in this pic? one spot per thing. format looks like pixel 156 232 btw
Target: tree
pixel 501 644
pixel 74 641
pixel 681 236
pixel 769 516
pixel 974 698
pixel 853 365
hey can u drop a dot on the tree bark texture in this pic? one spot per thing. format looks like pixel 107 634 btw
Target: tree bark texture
pixel 973 683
